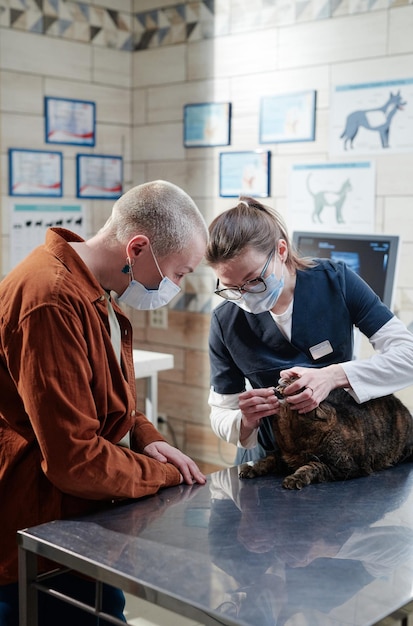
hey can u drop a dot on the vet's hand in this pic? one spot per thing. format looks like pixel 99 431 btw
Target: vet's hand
pixel 312 385
pixel 256 404
pixel 165 453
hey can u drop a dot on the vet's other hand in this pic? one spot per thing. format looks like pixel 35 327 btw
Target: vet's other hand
pixel 256 404
pixel 312 385
pixel 165 453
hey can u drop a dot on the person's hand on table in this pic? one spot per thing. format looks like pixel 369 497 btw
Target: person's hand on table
pixel 165 453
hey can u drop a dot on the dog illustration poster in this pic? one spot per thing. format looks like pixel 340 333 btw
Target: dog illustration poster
pixel 372 118
pixel 332 197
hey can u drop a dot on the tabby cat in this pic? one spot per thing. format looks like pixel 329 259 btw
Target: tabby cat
pixel 338 440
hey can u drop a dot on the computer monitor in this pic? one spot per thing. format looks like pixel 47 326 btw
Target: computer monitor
pixel 373 257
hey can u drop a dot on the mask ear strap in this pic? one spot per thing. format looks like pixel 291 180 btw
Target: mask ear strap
pixel 156 262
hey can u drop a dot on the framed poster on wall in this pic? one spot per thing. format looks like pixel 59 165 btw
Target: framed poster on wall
pixel 35 173
pixel 288 117
pixel 207 124
pixel 372 117
pixel 70 121
pixel 99 176
pixel 332 197
pixel 244 173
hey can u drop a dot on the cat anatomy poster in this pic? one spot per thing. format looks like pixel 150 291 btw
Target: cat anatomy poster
pixel 372 118
pixel 332 197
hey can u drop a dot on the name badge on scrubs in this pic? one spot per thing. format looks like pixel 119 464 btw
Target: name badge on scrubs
pixel 321 349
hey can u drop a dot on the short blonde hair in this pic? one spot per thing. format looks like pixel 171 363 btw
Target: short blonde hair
pixel 163 212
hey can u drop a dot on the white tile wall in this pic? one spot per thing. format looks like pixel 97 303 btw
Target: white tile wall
pixel 139 106
pixel 397 217
pixel 113 104
pixel 159 66
pixel 394 175
pixel 404 277
pixel 21 93
pixel 372 70
pixel 400 31
pixel 333 41
pixel 45 56
pixel 69 174
pixel 165 103
pixel 246 91
pixel 111 67
pixel 235 55
pixel 18 130
pixel 159 140
pixel 114 139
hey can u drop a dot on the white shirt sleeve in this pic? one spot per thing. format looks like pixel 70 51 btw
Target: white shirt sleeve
pixel 226 419
pixel 389 369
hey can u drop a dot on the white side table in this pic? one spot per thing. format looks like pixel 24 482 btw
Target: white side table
pixel 147 365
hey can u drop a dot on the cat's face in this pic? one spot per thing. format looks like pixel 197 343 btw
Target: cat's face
pixel 324 412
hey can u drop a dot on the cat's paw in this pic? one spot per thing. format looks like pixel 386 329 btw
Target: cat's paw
pixel 247 471
pixel 294 481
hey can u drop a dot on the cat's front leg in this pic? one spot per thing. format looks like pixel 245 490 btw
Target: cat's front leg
pixel 269 465
pixel 313 472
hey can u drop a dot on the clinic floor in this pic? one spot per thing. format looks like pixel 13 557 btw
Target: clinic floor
pixel 141 613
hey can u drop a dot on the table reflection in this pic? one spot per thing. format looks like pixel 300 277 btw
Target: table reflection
pixel 298 555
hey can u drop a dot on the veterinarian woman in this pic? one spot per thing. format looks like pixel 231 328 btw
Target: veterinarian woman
pixel 284 316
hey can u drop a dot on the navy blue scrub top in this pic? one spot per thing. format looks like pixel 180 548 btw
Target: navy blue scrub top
pixel 329 299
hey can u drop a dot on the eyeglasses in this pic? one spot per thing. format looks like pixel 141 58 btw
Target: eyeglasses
pixel 255 285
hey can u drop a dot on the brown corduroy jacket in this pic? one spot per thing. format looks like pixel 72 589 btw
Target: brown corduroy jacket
pixel 64 400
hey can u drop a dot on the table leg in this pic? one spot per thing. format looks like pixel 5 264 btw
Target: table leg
pixel 27 591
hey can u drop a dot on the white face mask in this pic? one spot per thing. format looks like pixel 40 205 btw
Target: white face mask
pixel 139 297
pixel 265 301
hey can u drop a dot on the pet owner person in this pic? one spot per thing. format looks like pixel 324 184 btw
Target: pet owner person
pixel 67 377
pixel 284 316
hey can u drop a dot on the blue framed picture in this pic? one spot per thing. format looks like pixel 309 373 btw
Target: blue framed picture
pixel 70 121
pixel 288 117
pixel 245 173
pixel 35 173
pixel 207 124
pixel 99 176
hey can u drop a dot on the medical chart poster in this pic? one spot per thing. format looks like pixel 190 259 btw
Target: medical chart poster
pixel 70 121
pixel 288 117
pixel 372 118
pixel 35 173
pixel 30 221
pixel 207 124
pixel 99 176
pixel 332 197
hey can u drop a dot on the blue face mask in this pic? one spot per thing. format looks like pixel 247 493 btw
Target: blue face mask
pixel 139 297
pixel 265 301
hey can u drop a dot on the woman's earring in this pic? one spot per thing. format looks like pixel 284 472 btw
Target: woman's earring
pixel 129 264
